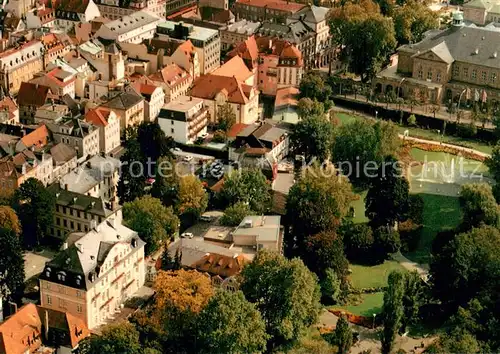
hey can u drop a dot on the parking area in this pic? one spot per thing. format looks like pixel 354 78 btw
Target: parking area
pixel 200 228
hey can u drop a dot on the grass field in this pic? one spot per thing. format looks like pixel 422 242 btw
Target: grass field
pixel 372 276
pixel 359 208
pixel 440 213
pixel 370 304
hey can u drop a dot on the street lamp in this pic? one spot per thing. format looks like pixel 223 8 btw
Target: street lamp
pixel 459 98
pixel 399 86
pixel 376 114
pixel 373 325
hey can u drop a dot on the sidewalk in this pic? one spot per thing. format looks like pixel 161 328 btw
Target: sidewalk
pixel 422 269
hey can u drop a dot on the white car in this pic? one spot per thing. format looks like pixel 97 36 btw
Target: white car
pixel 187 235
pixel 187 158
pixel 177 149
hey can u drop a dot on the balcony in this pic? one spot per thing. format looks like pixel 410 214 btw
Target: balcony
pixel 199 115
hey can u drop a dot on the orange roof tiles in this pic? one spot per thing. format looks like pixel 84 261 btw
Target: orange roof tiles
pixel 21 332
pixel 171 75
pixel 208 86
pixel 98 116
pixel 32 94
pixel 274 4
pixel 234 67
pixel 37 137
pixel 287 96
pixel 217 264
pixel 236 129
pixel 8 103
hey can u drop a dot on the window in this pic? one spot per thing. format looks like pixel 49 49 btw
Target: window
pixel 493 77
pixel 483 75
pixel 474 74
pixel 62 303
pixel 72 224
pixel 429 75
pixel 466 72
pixel 438 76
pixel 78 294
pixel 172 130
pixel 420 74
pixel 58 221
pixel 65 223
pixel 49 300
pixel 79 308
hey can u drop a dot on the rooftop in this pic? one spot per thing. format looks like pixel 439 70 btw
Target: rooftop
pixel 195 32
pixel 311 13
pixel 182 104
pixel 266 228
pixel 234 67
pixel 273 4
pixel 123 101
pixel 194 250
pixel 130 22
pixel 242 27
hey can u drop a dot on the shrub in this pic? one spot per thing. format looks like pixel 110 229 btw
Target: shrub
pixel 358 242
pixel 416 209
pixel 466 130
pixel 219 137
pixel 409 233
pixel 412 120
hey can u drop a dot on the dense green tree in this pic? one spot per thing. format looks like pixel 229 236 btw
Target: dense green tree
pixel 459 341
pixel 285 292
pixel 34 205
pixel 119 338
pixel 248 186
pixel 360 147
pixel 312 137
pixel 153 142
pixel 308 107
pixel 154 222
pixel 330 285
pixel 9 219
pixel 132 173
pixel 231 324
pixel 234 214
pixel 166 184
pixel 226 117
pixel 493 163
pixel 343 335
pixel 11 266
pixel 412 299
pixel 317 202
pixel 466 266
pixel 479 205
pixel 366 36
pixel 167 260
pixel 392 310
pixel 412 20
pixel 387 201
pixel 313 86
pixel 386 241
pixel 325 251
pixel 358 242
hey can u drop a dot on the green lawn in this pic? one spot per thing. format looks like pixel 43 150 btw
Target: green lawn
pixel 372 276
pixel 359 208
pixel 370 304
pixel 440 213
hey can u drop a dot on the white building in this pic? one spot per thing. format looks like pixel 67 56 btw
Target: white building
pixel 133 28
pixel 107 60
pixel 184 120
pixel 109 127
pixel 154 98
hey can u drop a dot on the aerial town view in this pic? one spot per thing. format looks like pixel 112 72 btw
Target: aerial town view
pixel 249 176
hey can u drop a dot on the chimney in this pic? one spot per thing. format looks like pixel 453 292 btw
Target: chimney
pixel 65 246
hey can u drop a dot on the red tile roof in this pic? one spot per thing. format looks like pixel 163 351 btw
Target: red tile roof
pixel 21 332
pixel 9 104
pixel 38 137
pixel 287 96
pixel 234 67
pixel 32 94
pixel 98 116
pixel 274 4
pixel 208 86
pixel 217 264
pixel 248 51
pixel 171 75
pixel 236 129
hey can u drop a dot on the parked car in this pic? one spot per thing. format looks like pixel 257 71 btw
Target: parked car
pixel 187 158
pixel 187 235
pixel 206 218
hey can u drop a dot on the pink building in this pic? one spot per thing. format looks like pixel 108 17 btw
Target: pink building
pixel 276 63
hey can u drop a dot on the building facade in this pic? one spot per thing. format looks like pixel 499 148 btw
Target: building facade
pixel 108 124
pixel 129 106
pixel 184 119
pixel 133 28
pixel 174 81
pixel 237 32
pixel 96 274
pixel 82 136
pixel 261 10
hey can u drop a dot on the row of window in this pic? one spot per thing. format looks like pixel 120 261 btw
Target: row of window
pixel 474 74
pixel 63 304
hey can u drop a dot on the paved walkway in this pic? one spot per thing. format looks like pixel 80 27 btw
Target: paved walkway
pixel 456 147
pixel 422 269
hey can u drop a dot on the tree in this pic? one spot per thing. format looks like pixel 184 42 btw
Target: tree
pixel 249 186
pixel 9 219
pixel 358 242
pixel 412 20
pixel 331 286
pixel 387 201
pixel 479 205
pixel 386 241
pixel 153 142
pixel 167 261
pixel 119 338
pixel 343 335
pixel 166 184
pixel 231 324
pixel 412 299
pixel 285 292
pixel 154 223
pixel 361 146
pixel 312 137
pixel 180 297
pixel 326 251
pixel 308 107
pixel 193 199
pixel 459 341
pixel 234 214
pixel 34 205
pixel 493 163
pixel 11 266
pixel 317 202
pixel 392 310
pixel 466 266
pixel 314 87
pixel 132 178
pixel 367 38
pixel 226 117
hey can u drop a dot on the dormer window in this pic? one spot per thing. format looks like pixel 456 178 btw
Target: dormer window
pixel 61 276
pixel 78 280
pixel 47 272
pixel 133 243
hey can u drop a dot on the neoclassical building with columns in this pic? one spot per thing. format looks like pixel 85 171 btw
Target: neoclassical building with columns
pixel 445 64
